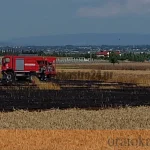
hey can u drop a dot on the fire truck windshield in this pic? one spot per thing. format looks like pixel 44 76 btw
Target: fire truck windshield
pixel 6 60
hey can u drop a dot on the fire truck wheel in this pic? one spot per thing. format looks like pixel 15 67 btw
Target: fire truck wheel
pixel 10 76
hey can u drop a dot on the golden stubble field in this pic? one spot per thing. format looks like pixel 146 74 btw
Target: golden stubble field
pixel 141 78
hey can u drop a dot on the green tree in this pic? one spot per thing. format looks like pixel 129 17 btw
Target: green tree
pixel 113 58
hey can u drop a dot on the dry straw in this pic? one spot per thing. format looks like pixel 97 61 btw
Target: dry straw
pixel 45 85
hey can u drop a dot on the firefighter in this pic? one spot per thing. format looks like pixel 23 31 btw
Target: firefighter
pixel 43 69
pixel 50 67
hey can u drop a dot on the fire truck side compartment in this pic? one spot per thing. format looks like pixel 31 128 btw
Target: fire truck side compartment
pixel 19 64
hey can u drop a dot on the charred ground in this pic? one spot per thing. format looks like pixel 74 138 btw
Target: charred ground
pixel 74 94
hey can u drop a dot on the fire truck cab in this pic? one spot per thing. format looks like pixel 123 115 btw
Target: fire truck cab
pixel 15 67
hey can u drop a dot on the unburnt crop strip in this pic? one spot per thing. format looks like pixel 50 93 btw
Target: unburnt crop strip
pixel 108 66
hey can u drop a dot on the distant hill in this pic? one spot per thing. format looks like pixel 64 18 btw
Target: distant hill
pixel 3 44
pixel 84 39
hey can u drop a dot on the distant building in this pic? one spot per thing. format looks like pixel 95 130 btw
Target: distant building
pixel 106 53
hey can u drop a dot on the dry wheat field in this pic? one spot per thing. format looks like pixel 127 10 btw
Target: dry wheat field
pixel 97 96
pixel 123 118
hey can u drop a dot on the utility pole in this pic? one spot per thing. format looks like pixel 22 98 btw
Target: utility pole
pixel 90 55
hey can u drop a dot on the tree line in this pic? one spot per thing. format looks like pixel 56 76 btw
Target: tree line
pixel 113 57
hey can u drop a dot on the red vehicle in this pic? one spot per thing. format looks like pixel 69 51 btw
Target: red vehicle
pixel 15 67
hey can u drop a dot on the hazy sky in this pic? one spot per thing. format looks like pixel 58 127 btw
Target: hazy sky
pixel 22 18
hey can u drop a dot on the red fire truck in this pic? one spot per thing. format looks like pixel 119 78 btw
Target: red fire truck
pixel 16 67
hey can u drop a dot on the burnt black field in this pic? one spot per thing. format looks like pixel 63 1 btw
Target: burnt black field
pixel 73 97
